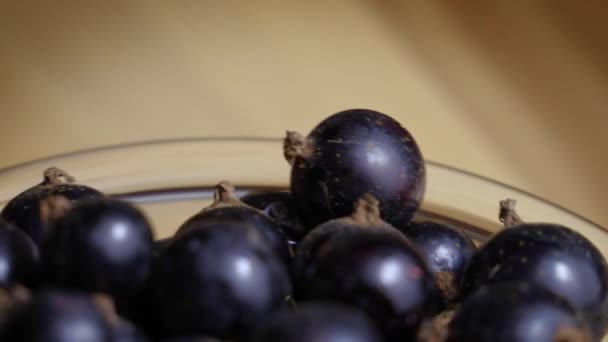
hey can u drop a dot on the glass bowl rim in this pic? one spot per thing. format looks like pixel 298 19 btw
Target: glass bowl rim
pixel 245 139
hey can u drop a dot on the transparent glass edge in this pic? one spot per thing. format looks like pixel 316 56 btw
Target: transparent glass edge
pixel 16 178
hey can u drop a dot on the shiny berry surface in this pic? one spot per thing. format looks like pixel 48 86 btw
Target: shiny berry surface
pixel 100 245
pixel 551 256
pixel 365 218
pixel 518 311
pixel 352 153
pixel 376 272
pixel 228 208
pixel 245 216
pixel 218 281
pixel 279 206
pixel 447 252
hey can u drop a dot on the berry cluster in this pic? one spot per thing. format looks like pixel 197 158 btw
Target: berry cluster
pixel 339 257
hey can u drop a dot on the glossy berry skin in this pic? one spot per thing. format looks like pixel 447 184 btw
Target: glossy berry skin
pixel 521 312
pixel 218 281
pixel 318 322
pixel 279 206
pixel 57 317
pixel 27 210
pixel 339 229
pixel 19 257
pixel 380 273
pixel 227 207
pixel 241 215
pixel 447 252
pixel 352 153
pixel 100 245
pixel 551 256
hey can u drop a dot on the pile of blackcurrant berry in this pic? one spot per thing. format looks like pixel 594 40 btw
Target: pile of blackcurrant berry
pixel 340 257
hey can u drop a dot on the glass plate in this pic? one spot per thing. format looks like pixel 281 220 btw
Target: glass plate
pixel 172 179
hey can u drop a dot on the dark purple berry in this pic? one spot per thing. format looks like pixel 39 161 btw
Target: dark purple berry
pixel 372 267
pixel 218 281
pixel 352 153
pixel 447 252
pixel 281 207
pixel 227 207
pixel 518 311
pixel 365 216
pixel 101 245
pixel 547 255
pixel 318 322
pixel 19 257
pixel 33 209
pixel 57 316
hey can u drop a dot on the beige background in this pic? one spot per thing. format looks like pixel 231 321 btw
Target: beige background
pixel 516 91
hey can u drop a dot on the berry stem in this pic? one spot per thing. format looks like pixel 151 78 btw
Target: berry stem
pixel 224 192
pixel 56 176
pixel 508 216
pixel 367 211
pixel 105 303
pixel 436 329
pixel 224 195
pixel 447 285
pixel 296 145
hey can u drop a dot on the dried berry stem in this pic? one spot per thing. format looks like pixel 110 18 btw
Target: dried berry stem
pixel 105 303
pixel 367 211
pixel 436 330
pixel 224 195
pixel 296 145
pixel 56 176
pixel 224 192
pixel 508 216
pixel 572 335
pixel 447 285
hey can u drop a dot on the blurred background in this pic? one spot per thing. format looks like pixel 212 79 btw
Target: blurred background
pixel 515 91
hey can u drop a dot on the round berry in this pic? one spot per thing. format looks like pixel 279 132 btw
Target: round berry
pixel 516 311
pixel 218 281
pixel 34 209
pixel 57 316
pixel 101 245
pixel 447 252
pixel 352 153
